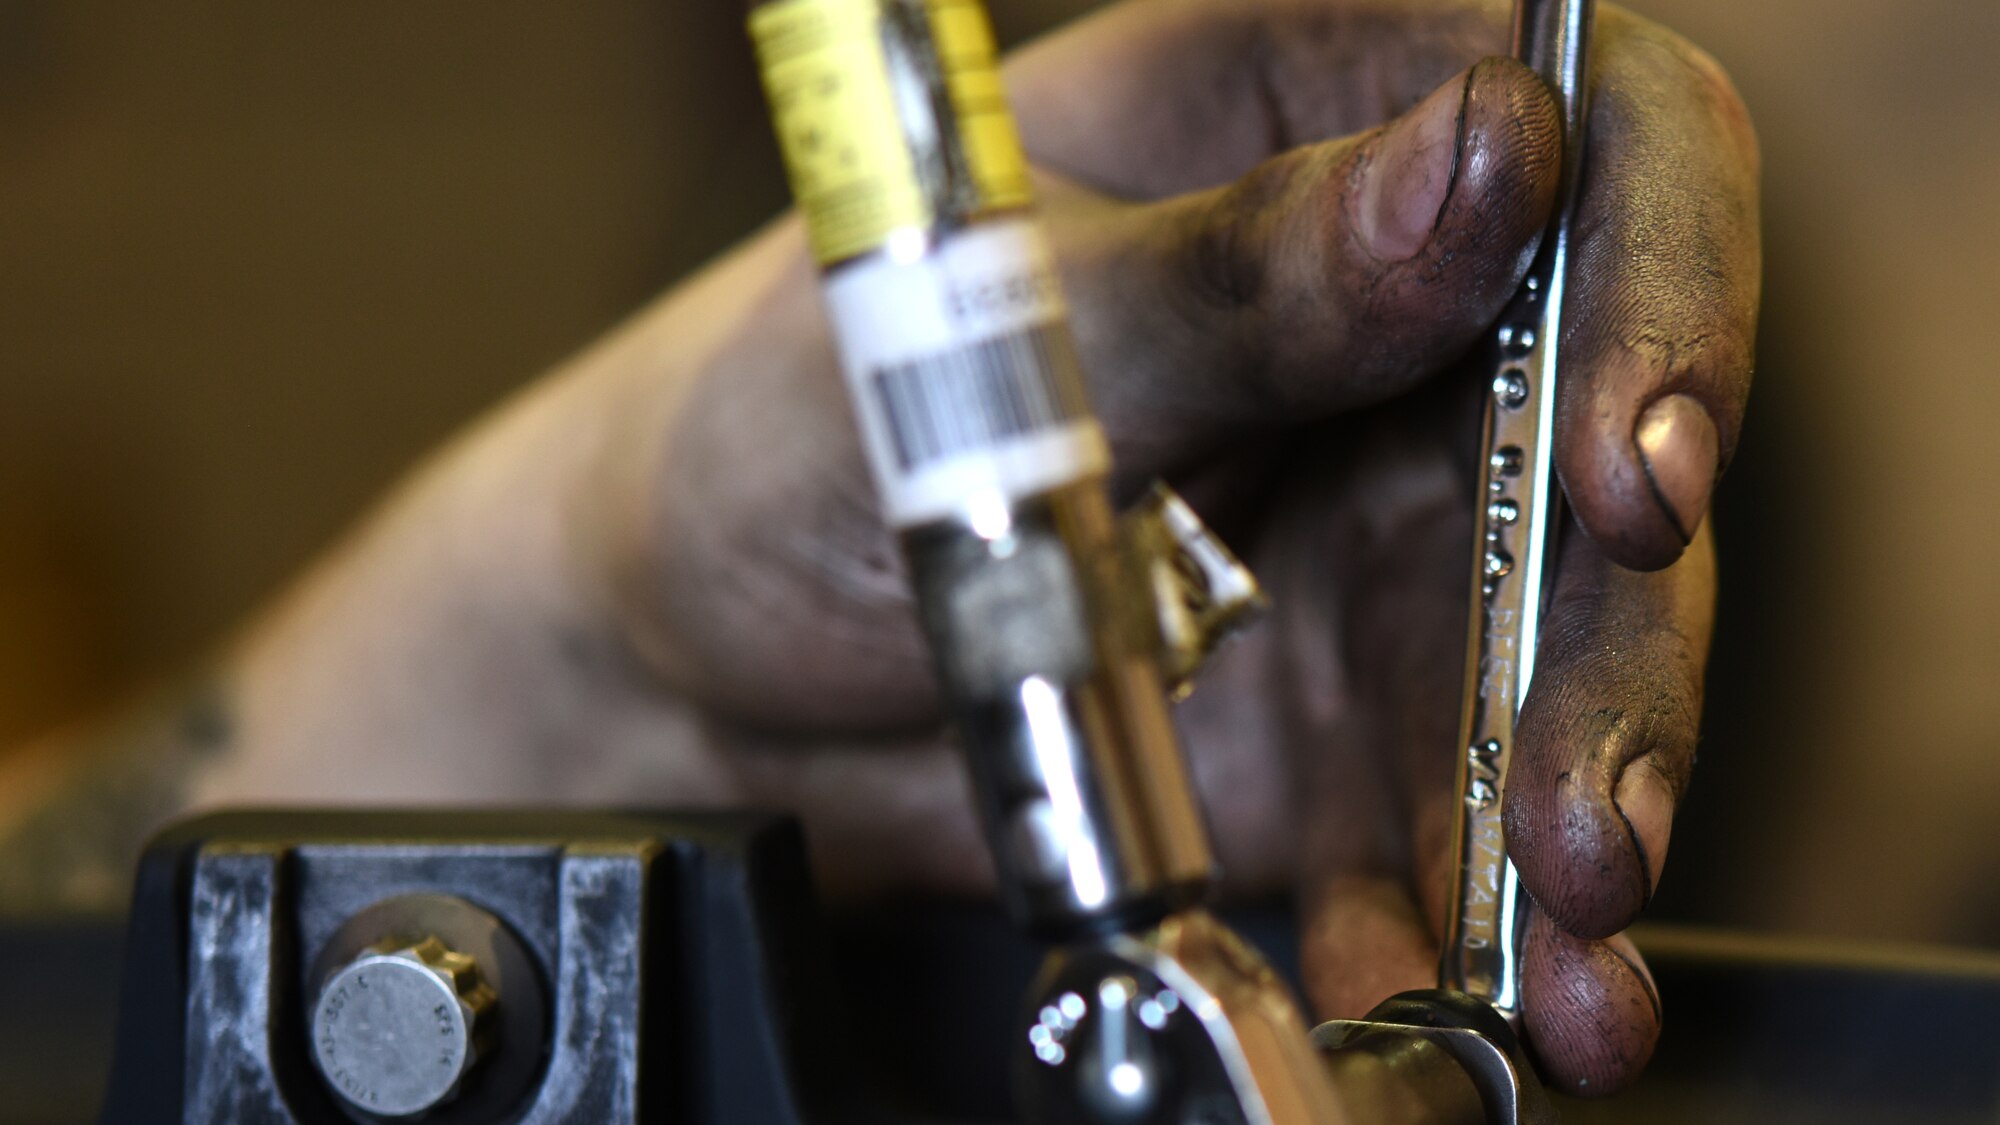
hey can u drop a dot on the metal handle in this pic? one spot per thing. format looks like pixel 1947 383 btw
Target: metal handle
pixel 1518 514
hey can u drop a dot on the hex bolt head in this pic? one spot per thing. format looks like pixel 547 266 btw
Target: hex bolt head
pixel 396 1029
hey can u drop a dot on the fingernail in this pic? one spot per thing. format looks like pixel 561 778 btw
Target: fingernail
pixel 1647 804
pixel 1677 447
pixel 1409 175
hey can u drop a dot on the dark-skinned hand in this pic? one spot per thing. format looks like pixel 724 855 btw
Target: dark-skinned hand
pixel 659 576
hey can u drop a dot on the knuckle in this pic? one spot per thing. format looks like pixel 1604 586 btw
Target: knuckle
pixel 1222 271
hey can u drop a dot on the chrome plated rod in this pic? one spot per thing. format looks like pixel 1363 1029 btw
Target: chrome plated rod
pixel 1517 515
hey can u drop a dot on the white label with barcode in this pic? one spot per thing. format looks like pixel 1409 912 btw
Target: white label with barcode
pixel 962 373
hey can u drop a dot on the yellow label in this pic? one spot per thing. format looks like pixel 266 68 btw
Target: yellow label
pixel 845 154
pixel 966 53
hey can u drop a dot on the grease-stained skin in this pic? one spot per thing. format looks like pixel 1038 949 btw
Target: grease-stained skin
pixel 658 576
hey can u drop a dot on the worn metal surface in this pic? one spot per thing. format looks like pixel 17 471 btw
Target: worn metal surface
pixel 593 1072
pixel 235 971
pixel 242 1016
pixel 644 968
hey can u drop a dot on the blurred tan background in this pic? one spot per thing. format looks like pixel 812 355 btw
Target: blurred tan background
pixel 255 259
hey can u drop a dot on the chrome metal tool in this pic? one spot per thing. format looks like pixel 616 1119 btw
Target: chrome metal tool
pixel 1057 629
pixel 1518 514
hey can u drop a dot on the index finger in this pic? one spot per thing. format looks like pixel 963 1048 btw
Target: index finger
pixel 1149 99
pixel 1662 315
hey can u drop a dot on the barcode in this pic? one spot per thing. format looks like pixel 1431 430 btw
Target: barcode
pixel 980 395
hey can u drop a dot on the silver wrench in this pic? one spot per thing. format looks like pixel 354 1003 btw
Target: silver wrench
pixel 1518 514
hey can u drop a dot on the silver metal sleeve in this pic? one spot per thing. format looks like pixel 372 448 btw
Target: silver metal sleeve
pixel 1048 649
pixel 1518 514
pixel 1046 638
